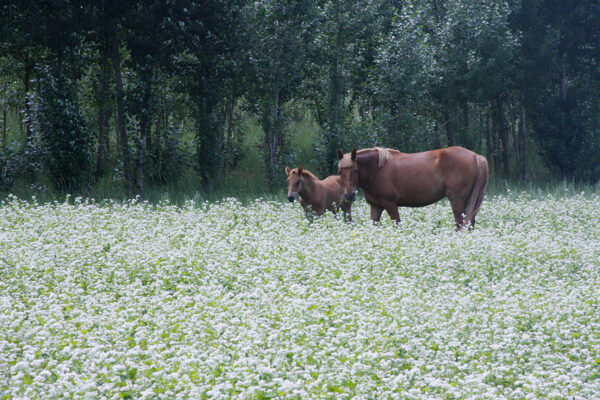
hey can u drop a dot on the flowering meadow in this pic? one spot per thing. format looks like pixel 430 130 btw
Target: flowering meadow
pixel 232 301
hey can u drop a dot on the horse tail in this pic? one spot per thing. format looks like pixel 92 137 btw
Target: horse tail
pixel 478 192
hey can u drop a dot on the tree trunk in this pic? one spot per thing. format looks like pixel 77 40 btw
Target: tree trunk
pixel 334 117
pixel 502 134
pixel 20 119
pixel 482 127
pixel 271 145
pixel 229 107
pixel 152 116
pixel 4 126
pixel 489 147
pixel 103 113
pixel 122 129
pixel 465 110
pixel 28 121
pixel 145 123
pixel 563 86
pixel 155 148
pixel 466 116
pixel 269 131
pixel 320 120
pixel 273 134
pixel 278 121
pixel 210 142
pixel 140 161
pixel 436 135
pixel 523 137
pixel 336 83
pixel 513 134
pixel 449 133
pixel 161 137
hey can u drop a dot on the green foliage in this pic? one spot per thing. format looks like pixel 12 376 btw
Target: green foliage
pixel 514 81
pixel 64 136
pixel 170 160
pixel 569 140
pixel 11 164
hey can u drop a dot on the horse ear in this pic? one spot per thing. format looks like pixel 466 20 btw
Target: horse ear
pixel 287 170
pixel 300 169
pixel 353 155
pixel 340 154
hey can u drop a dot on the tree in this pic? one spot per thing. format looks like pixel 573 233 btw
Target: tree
pixel 61 125
pixel 144 40
pixel 341 47
pixel 22 27
pixel 277 59
pixel 197 33
pixel 405 80
pixel 568 129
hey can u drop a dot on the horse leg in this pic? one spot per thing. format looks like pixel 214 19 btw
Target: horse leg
pixel 392 210
pixel 459 219
pixel 376 212
pixel 458 209
pixel 472 224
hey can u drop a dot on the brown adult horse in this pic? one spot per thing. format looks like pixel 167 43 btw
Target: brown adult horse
pixel 317 195
pixel 390 178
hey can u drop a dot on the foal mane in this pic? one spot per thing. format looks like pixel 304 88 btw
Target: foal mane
pixel 309 174
pixel 305 173
pixel 384 155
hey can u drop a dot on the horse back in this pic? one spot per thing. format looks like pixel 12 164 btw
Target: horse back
pixel 420 179
pixel 409 179
pixel 459 167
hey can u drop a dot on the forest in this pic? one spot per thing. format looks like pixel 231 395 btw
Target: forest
pixel 121 97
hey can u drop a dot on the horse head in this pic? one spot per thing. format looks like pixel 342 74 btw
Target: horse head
pixel 294 182
pixel 349 174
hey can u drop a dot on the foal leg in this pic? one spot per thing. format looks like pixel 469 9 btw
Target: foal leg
pixel 314 212
pixel 347 209
pixel 308 213
pixel 334 208
pixel 309 216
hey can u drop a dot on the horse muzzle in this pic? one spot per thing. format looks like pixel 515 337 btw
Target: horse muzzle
pixel 291 197
pixel 350 197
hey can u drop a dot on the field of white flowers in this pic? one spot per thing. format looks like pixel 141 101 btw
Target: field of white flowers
pixel 220 301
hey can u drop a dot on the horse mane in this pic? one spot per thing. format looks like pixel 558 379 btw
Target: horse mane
pixel 345 162
pixel 384 155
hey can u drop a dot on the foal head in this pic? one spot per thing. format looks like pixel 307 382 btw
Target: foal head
pixel 294 182
pixel 349 174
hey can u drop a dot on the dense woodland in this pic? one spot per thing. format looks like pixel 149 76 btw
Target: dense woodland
pixel 146 93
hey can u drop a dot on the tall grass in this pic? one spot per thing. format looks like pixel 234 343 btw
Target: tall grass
pixel 557 188
pixel 248 185
pixel 246 181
